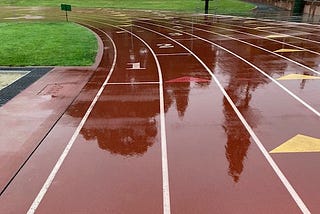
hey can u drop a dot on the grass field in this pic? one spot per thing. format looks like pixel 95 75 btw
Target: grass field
pixel 219 6
pixel 50 44
pixel 46 44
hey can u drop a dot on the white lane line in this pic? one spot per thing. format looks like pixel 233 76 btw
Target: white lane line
pixel 261 48
pixel 174 54
pixel 253 66
pixel 289 36
pixel 164 156
pixel 132 83
pixel 257 36
pixel 272 163
pixel 61 159
pixel 164 153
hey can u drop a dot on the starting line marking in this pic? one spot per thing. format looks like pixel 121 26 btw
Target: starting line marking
pixel 132 83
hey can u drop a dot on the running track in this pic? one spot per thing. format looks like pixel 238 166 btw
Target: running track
pixel 180 116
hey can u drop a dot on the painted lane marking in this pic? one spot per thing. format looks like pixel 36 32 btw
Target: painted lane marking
pixel 175 34
pixel 120 31
pixel 300 38
pixel 271 52
pixel 126 25
pixel 262 28
pixel 164 153
pixel 165 45
pixel 164 158
pixel 174 54
pixel 187 79
pixel 132 83
pixel 135 66
pixel 249 34
pixel 299 143
pixel 284 50
pixel 249 22
pixel 263 150
pixel 274 36
pixel 256 68
pixel 298 77
pixel 64 154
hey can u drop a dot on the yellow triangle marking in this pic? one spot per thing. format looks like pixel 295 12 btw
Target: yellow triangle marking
pixel 283 50
pixel 262 28
pixel 277 36
pixel 299 143
pixel 298 77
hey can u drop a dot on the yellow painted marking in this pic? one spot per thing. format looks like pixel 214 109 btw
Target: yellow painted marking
pixel 249 22
pixel 283 50
pixel 120 15
pixel 277 36
pixel 262 28
pixel 126 25
pixel 298 77
pixel 299 143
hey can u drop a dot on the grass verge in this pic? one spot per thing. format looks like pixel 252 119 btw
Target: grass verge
pixel 46 44
pixel 219 6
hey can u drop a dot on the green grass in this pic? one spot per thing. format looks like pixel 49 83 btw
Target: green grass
pixel 42 44
pixel 220 6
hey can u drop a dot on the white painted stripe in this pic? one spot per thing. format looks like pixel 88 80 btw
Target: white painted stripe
pixel 164 154
pixel 261 37
pixel 174 54
pixel 64 154
pixel 272 163
pixel 266 50
pixel 272 32
pixel 132 83
pixel 255 67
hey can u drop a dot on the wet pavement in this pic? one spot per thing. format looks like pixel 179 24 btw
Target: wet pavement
pixel 180 116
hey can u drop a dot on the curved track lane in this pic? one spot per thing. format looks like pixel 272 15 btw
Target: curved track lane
pixel 195 105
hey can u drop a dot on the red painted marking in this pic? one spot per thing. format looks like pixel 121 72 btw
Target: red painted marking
pixel 188 79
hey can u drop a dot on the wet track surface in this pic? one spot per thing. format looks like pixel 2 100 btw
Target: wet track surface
pixel 182 115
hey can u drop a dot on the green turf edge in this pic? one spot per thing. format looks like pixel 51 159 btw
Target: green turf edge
pixel 46 44
pixel 219 6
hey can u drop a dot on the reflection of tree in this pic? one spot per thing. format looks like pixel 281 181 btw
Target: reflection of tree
pixel 123 122
pixel 178 92
pixel 242 83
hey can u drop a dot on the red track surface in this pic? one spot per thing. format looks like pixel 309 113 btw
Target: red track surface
pixel 179 117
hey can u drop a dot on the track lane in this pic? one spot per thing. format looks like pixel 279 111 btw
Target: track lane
pixel 233 28
pixel 248 63
pixel 192 210
pixel 140 201
pixel 34 173
pixel 186 122
pixel 270 125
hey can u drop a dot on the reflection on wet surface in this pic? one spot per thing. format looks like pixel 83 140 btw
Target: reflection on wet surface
pixel 214 163
pixel 124 121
